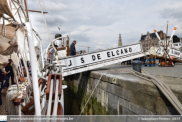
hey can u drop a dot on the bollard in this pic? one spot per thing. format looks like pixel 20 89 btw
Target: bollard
pixel 137 65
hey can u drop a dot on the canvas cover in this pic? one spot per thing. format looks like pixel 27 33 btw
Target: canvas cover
pixel 10 31
pixel 8 46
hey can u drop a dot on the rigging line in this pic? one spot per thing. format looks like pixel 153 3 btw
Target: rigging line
pixel 91 95
pixel 46 25
pixel 17 11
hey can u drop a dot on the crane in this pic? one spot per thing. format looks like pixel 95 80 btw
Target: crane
pixel 84 46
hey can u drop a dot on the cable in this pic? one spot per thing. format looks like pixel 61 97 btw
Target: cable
pixel 46 24
pixel 90 96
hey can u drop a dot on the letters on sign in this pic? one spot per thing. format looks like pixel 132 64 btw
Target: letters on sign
pixel 175 53
pixel 171 52
pixel 103 55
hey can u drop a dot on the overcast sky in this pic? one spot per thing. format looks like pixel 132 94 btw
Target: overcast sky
pixel 97 23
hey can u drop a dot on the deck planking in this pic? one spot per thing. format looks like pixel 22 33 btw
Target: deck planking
pixel 2 107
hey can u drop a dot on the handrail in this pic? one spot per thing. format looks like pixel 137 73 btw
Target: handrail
pixel 53 94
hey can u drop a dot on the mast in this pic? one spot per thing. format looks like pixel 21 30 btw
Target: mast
pixel 33 64
pixel 33 69
pixel 26 8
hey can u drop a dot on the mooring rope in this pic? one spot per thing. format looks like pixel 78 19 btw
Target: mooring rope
pixel 90 95
pixel 163 87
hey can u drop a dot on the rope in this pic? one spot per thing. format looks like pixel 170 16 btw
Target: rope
pixel 15 74
pixel 26 67
pixel 46 24
pixel 15 96
pixel 90 95
pixel 163 87
pixel 10 108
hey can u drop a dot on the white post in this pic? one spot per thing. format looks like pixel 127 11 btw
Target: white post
pixel 33 62
pixel 42 56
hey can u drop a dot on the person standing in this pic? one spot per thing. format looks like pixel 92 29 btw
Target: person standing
pixel 5 76
pixel 72 50
pixel 1 84
pixel 2 78
pixel 82 51
pixel 51 54
pixel 9 69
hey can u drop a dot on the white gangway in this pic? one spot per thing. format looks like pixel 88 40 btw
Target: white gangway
pixel 98 59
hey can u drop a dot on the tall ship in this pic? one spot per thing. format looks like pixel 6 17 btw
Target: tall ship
pixel 36 84
pixel 37 87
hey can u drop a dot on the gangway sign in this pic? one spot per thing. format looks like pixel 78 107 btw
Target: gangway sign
pixel 171 51
pixel 93 60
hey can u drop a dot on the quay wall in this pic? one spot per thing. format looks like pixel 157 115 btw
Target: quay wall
pixel 123 95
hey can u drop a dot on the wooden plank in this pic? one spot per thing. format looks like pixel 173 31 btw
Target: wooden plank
pixel 48 87
pixel 44 83
pixel 60 86
pixel 31 111
pixel 2 107
pixel 54 88
pixel 62 48
pixel 39 81
pixel 67 45
pixel 28 105
pixel 17 101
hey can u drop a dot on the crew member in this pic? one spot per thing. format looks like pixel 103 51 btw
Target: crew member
pixel 51 54
pixel 72 50
pixel 9 69
pixel 82 51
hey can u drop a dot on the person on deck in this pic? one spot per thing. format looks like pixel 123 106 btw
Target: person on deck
pixel 1 84
pixel 2 78
pixel 5 76
pixel 72 50
pixel 82 51
pixel 9 69
pixel 51 54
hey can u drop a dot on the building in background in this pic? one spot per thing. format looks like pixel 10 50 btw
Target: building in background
pixel 150 39
pixel 119 41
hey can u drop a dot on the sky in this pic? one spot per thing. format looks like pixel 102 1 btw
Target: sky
pixel 98 23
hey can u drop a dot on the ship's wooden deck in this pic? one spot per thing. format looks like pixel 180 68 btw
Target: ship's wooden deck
pixel 2 107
